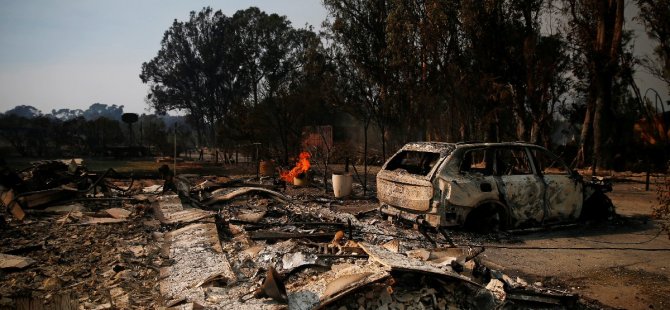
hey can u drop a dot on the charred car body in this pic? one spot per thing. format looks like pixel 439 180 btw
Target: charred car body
pixel 486 186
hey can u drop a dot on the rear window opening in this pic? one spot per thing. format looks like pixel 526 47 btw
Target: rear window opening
pixel 414 162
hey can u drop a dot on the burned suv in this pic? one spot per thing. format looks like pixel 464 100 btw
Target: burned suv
pixel 485 186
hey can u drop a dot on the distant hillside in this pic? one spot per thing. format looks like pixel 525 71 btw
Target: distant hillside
pixel 95 111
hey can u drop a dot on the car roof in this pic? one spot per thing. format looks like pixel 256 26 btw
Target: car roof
pixel 444 147
pixel 489 144
pixel 433 147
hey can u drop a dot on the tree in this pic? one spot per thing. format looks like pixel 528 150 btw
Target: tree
pixel 197 70
pixel 25 111
pixel 597 28
pixel 276 70
pixel 468 70
pixel 66 114
pixel 98 110
pixel 359 27
pixel 155 133
pixel 13 129
pixel 103 132
pixel 34 136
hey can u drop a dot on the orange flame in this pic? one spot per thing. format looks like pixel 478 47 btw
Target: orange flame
pixel 300 167
pixel 652 130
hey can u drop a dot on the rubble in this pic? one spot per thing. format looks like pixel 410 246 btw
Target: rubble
pixel 126 244
pixel 198 259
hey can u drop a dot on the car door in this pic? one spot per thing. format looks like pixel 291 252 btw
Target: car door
pixel 563 192
pixel 474 181
pixel 520 187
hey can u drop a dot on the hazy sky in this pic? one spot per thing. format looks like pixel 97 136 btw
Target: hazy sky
pixel 73 53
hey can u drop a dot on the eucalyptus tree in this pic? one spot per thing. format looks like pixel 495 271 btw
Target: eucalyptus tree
pixel 596 28
pixel 359 27
pixel 424 50
pixel 452 70
pixel 198 70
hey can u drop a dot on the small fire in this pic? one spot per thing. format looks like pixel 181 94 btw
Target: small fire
pixel 300 167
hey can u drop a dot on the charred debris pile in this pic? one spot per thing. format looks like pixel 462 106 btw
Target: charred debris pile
pixel 76 239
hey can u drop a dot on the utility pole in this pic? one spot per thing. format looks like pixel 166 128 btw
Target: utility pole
pixel 141 134
pixel 258 162
pixel 175 150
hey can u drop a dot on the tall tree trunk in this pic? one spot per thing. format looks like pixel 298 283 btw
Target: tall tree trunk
pixel 519 116
pixel 535 131
pixel 382 129
pixel 609 31
pixel 586 127
pixel 366 125
pixel 597 134
pixel 600 115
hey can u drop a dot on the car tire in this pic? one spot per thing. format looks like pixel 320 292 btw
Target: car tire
pixel 486 219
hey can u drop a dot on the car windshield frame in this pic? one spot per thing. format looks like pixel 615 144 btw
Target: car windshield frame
pixel 415 162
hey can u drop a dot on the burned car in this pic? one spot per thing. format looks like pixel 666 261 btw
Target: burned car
pixel 486 186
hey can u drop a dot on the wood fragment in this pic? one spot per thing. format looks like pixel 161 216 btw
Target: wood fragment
pixel 168 209
pixel 253 217
pixel 344 282
pixel 64 219
pixel 100 220
pixel 13 206
pixel 15 262
pixel 118 213
pixel 223 195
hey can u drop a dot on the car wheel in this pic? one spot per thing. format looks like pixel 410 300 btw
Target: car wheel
pixel 486 219
pixel 597 207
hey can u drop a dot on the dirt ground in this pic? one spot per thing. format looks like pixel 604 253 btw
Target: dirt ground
pixel 621 263
pixel 615 277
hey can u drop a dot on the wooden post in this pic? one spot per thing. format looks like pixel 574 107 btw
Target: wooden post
pixel 258 163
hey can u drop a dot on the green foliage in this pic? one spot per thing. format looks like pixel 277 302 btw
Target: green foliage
pixel 245 77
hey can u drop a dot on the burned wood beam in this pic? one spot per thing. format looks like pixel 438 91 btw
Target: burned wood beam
pixel 40 198
pixel 302 224
pixel 342 256
pixel 100 199
pixel 281 235
pixel 549 298
pixel 335 224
